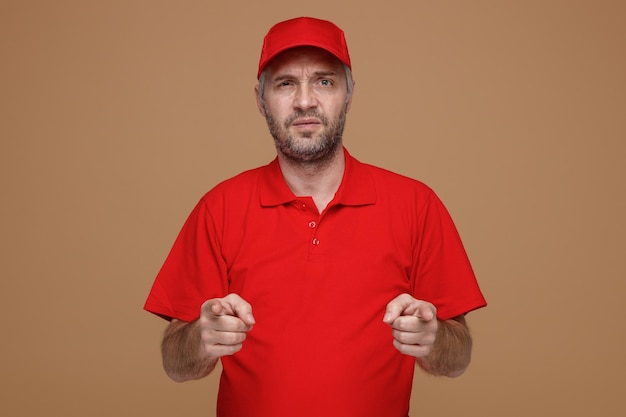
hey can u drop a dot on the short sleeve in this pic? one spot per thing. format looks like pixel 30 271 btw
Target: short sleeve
pixel 193 272
pixel 442 273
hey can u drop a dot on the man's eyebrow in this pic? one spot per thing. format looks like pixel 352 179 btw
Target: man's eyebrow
pixel 324 73
pixel 316 74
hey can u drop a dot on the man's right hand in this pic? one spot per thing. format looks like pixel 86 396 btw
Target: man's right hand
pixel 191 349
pixel 223 324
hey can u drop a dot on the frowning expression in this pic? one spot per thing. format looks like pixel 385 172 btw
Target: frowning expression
pixel 304 98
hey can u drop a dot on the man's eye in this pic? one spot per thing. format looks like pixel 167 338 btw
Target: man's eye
pixel 326 83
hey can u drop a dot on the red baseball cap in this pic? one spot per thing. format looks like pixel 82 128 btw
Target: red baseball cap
pixel 304 31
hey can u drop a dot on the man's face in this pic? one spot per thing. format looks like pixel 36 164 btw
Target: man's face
pixel 305 102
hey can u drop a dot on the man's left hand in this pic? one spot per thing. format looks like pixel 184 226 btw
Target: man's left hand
pixel 413 325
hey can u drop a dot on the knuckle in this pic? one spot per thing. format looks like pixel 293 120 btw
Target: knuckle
pixel 399 346
pixel 400 323
pixel 223 350
pixel 207 336
pixel 403 337
pixel 424 350
pixel 230 338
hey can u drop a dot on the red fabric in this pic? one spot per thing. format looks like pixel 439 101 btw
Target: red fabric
pixel 303 31
pixel 318 286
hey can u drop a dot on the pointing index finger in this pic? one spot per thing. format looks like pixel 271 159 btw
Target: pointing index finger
pixel 244 312
pixel 406 305
pixel 216 307
pixel 398 307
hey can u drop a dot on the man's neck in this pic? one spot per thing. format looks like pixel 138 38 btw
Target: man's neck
pixel 320 181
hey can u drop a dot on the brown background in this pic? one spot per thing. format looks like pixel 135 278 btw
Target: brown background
pixel 117 115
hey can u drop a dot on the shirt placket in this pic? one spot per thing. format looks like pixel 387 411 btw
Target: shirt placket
pixel 311 220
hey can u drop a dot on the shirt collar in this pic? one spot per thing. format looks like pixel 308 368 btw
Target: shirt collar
pixel 356 188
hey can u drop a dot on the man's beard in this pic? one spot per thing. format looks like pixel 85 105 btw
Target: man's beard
pixel 308 150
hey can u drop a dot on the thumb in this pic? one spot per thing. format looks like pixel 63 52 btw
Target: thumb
pixel 215 307
pixel 397 307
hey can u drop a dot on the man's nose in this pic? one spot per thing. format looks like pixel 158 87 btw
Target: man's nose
pixel 305 97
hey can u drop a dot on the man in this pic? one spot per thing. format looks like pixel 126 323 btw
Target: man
pixel 317 280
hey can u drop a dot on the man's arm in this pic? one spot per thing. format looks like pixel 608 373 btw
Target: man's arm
pixel 441 347
pixel 452 351
pixel 191 350
pixel 182 352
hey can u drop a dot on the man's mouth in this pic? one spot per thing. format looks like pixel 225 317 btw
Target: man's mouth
pixel 306 122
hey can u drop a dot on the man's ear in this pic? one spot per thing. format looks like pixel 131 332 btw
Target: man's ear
pixel 259 101
pixel 349 100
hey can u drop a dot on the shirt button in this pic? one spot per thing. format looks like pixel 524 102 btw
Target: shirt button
pixel 316 242
pixel 312 225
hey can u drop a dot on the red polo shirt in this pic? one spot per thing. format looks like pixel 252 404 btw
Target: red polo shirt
pixel 318 285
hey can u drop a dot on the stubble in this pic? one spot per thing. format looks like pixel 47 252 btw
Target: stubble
pixel 307 149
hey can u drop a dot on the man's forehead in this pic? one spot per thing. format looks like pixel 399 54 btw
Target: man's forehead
pixel 305 55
